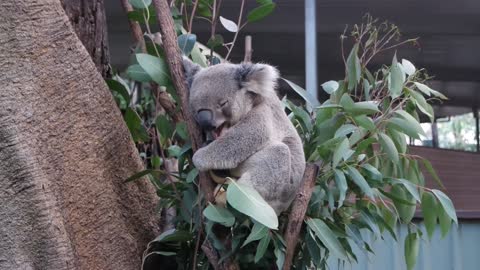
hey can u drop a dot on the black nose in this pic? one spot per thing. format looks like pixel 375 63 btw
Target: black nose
pixel 205 119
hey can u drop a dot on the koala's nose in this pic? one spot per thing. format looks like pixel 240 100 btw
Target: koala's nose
pixel 205 119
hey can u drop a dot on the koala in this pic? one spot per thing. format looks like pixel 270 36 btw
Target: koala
pixel 252 136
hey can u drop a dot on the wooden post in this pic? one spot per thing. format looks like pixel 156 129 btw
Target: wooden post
pixel 248 49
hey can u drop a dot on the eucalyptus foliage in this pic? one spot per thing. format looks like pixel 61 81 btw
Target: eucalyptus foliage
pixel 368 181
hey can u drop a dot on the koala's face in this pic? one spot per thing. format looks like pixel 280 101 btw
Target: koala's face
pixel 218 99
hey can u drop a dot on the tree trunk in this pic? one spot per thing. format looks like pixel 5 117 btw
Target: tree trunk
pixel 64 152
pixel 90 24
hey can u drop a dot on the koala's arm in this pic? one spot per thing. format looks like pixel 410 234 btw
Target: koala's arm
pixel 241 141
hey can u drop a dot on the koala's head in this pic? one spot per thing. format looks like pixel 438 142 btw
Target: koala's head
pixel 220 95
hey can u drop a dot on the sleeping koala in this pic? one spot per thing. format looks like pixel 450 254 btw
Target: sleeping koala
pixel 252 136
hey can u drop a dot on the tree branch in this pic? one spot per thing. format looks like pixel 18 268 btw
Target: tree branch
pixel 297 214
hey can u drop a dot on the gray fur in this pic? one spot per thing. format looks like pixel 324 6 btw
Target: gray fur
pixel 261 146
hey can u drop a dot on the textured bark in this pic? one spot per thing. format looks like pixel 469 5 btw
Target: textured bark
pixel 90 24
pixel 297 213
pixel 64 152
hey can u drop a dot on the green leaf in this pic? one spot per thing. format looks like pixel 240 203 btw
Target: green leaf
pixel 138 175
pixel 342 151
pixel 432 172
pixel 258 232
pixel 174 235
pixel 229 25
pixel 155 67
pixel 412 247
pixel 192 175
pixel 118 88
pixel 181 130
pixel 396 80
pixel 328 238
pixel 399 140
pixel 444 220
pixel 304 94
pixel 373 172
pixel 429 211
pixel 344 130
pixel 408 67
pixel 280 255
pixel 388 147
pixel 404 126
pixel 137 73
pixel 219 215
pixel 198 57
pixel 330 86
pixel 164 126
pixel 262 248
pixel 411 188
pixel 422 104
pixel 412 121
pixel 186 43
pixel 357 108
pixel 365 122
pixel 446 204
pixel 140 4
pixel 342 186
pixel 134 124
pixel 405 211
pixel 215 41
pixel 260 12
pixel 174 151
pixel 354 70
pixel 247 200
pixel 358 179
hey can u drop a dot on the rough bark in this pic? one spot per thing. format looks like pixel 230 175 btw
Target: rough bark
pixel 64 152
pixel 90 24
pixel 297 213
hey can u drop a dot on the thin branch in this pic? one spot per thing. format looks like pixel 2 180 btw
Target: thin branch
pixel 135 26
pixel 236 33
pixel 297 214
pixel 192 15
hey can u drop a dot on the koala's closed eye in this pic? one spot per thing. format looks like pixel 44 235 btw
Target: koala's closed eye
pixel 223 103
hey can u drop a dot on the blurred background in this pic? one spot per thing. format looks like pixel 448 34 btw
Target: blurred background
pixel 448 47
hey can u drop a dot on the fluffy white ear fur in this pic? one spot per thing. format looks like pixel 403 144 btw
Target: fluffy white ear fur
pixel 261 79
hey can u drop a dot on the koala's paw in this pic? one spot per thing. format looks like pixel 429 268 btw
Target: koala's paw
pixel 199 160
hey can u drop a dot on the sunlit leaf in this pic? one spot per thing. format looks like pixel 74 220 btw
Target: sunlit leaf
pixel 344 130
pixel 396 80
pixel 330 86
pixel 229 25
pixel 342 151
pixel 408 67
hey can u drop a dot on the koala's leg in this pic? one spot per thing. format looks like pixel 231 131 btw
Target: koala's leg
pixel 269 172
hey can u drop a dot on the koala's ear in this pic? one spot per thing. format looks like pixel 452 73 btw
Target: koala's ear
pixel 258 78
pixel 190 70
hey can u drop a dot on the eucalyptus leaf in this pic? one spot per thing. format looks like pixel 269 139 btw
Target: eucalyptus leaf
pixel 247 200
pixel 262 248
pixel 408 67
pixel 412 247
pixel 229 25
pixel 330 86
pixel 328 238
pixel 140 4
pixel 258 232
pixel 155 67
pixel 137 73
pixel 342 151
pixel 219 215
pixel 354 70
pixel 388 147
pixel 446 204
pixel 360 181
pixel 396 80
pixel 260 12
pixel 342 186
pixel 313 102
pixel 186 42
pixel 429 211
